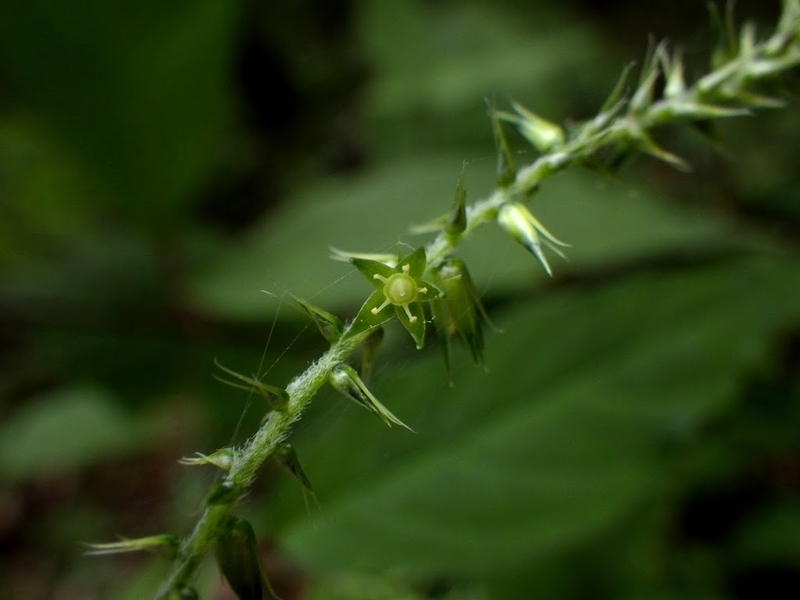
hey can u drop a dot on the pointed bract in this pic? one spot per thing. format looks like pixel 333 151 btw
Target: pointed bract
pixel 457 221
pixel 506 166
pixel 276 397
pixel 161 543
pixel 330 326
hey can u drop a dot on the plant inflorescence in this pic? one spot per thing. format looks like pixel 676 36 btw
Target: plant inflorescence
pixel 435 277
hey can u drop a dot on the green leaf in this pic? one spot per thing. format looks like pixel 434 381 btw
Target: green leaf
pixel 592 391
pixel 138 90
pixel 66 429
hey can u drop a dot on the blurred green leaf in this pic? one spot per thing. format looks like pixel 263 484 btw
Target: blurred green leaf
pixel 138 89
pixel 66 429
pixel 590 392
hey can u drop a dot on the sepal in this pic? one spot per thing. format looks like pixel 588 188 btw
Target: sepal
pixel 345 380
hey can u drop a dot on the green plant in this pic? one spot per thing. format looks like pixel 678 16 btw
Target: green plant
pixel 433 275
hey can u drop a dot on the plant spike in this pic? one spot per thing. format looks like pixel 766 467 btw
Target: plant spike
pixel 621 127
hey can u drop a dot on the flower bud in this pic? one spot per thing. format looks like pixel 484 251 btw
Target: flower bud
pixel 526 229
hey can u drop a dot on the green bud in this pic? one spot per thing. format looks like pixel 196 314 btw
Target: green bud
pixel 459 313
pixel 164 543
pixel 186 593
pixel 673 70
pixel 542 134
pixel 526 229
pixel 239 560
pixel 222 459
pixel 286 457
pixel 346 381
pixel 223 492
pixel 276 397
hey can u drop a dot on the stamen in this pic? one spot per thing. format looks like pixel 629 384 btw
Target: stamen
pixel 411 318
pixel 378 309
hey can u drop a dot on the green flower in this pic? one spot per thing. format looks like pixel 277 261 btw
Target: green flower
pixel 401 287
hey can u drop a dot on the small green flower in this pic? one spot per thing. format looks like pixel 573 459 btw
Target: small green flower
pixel 400 286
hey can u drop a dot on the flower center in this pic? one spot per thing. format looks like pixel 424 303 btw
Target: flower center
pixel 400 289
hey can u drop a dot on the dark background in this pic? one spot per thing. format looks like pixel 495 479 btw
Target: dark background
pixel 635 434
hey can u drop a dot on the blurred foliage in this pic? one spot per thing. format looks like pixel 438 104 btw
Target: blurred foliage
pixel 636 433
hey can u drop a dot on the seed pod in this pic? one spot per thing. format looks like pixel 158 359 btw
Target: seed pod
pixel 286 457
pixel 239 559
pixel 346 381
